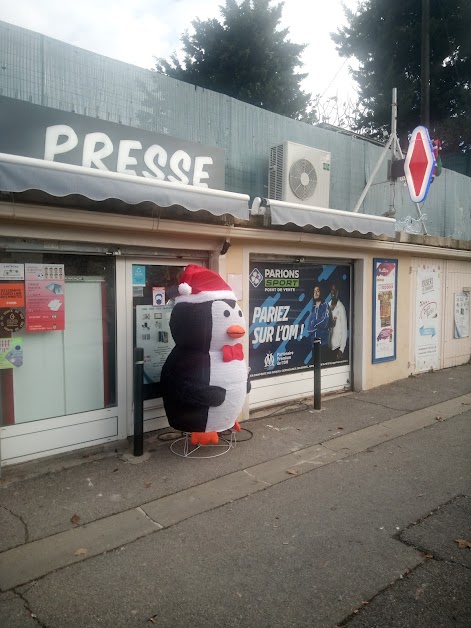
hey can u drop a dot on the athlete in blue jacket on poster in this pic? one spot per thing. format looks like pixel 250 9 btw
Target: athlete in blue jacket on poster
pixel 318 324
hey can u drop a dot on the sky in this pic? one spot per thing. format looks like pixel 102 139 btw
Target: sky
pixel 136 31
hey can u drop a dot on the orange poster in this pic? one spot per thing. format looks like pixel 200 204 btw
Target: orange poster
pixel 12 295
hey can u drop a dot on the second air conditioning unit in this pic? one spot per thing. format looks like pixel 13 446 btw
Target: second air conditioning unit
pixel 299 174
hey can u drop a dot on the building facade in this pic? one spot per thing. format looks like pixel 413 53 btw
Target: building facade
pixel 98 218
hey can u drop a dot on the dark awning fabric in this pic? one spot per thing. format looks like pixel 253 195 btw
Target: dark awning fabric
pixel 283 213
pixel 20 174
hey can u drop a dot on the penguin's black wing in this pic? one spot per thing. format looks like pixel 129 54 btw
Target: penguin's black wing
pixel 194 392
pixel 185 378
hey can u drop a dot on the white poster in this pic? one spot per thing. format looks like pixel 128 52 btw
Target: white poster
pixel 12 271
pixel 462 315
pixel 158 296
pixel 428 307
pixel 153 335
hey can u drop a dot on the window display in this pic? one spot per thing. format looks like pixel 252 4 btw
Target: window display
pixel 61 353
pixel 154 290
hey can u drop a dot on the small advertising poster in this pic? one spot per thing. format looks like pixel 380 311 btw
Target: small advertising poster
pixel 462 315
pixel 11 353
pixel 138 275
pixel 384 309
pixel 153 335
pixel 12 321
pixel 290 304
pixel 428 307
pixel 12 272
pixel 12 295
pixel 45 302
pixel 158 296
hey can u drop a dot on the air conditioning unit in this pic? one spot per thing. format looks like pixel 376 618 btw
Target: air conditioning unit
pixel 299 174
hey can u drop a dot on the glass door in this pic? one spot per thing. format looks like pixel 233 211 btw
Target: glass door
pixel 152 286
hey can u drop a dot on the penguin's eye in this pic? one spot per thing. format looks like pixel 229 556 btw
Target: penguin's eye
pixel 227 313
pixel 240 313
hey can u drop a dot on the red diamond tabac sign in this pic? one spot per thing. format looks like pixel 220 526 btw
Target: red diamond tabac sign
pixel 419 164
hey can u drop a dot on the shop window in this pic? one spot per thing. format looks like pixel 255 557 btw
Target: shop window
pixel 155 287
pixel 57 335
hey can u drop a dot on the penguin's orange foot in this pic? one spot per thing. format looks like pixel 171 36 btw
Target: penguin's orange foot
pixel 204 438
pixel 237 426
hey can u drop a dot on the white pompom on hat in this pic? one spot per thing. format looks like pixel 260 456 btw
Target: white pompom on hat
pixel 200 284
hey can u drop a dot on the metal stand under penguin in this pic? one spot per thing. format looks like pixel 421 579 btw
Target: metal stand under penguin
pixel 182 447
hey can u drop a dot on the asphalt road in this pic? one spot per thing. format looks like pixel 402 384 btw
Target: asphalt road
pixel 366 541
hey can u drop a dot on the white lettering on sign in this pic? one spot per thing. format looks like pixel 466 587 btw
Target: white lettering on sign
pixel 199 173
pixel 52 146
pixel 124 158
pixel 262 335
pixel 93 156
pixel 151 153
pixel 271 314
pixel 98 147
pixel 281 273
pixel 180 157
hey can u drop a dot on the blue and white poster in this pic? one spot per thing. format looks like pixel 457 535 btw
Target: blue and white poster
pixel 138 275
pixel 290 304
pixel 428 319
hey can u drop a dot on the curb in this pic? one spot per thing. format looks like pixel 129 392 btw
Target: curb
pixel 30 561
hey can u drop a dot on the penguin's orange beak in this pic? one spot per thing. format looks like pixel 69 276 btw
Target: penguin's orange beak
pixel 235 331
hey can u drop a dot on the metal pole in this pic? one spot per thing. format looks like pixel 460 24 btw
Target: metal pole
pixel 138 401
pixel 373 174
pixel 316 356
pixel 397 150
pixel 425 66
pixel 394 120
pixel 392 184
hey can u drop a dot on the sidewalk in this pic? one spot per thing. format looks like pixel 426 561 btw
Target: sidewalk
pixel 60 512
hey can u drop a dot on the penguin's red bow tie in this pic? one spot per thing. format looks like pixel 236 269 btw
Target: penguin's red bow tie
pixel 232 352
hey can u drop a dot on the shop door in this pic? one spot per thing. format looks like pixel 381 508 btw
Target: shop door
pixel 151 287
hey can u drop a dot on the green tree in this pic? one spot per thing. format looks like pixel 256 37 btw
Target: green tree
pixel 385 37
pixel 244 56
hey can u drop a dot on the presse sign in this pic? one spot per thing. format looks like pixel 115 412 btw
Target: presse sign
pixel 54 135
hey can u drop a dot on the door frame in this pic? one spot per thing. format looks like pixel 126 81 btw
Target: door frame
pixel 31 440
pixel 154 413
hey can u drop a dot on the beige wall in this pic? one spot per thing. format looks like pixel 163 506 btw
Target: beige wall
pixel 76 225
pixel 366 374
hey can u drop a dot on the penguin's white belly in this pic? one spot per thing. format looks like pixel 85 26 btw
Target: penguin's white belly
pixel 232 376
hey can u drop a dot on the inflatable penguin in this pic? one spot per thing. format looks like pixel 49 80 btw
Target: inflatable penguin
pixel 204 379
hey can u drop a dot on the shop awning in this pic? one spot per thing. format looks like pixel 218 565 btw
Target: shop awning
pixel 283 213
pixel 20 174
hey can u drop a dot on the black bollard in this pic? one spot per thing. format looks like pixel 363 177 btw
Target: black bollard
pixel 138 401
pixel 316 358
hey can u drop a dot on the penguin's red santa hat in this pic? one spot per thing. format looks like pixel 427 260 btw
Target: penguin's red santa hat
pixel 200 284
